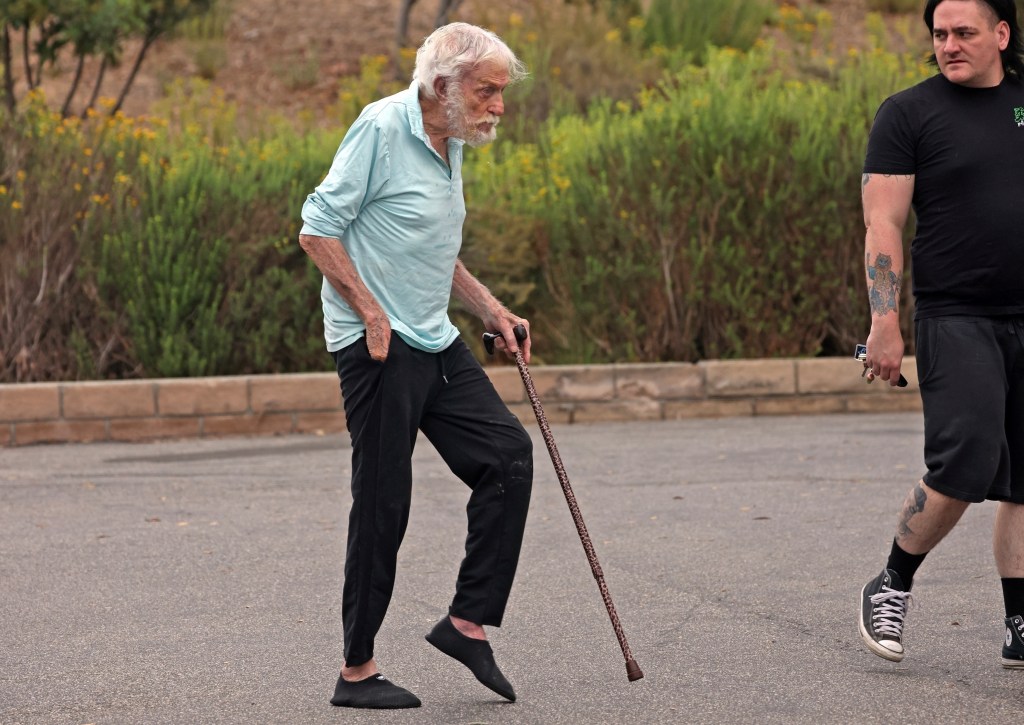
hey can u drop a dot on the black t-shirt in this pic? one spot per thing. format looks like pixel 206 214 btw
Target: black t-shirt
pixel 965 147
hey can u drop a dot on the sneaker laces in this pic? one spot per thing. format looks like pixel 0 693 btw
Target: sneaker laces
pixel 890 607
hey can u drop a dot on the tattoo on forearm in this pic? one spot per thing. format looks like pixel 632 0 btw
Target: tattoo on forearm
pixel 913 505
pixel 864 179
pixel 885 285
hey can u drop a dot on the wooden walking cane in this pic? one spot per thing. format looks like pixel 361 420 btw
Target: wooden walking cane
pixel 633 671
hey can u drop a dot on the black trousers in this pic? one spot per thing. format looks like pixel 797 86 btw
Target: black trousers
pixel 448 396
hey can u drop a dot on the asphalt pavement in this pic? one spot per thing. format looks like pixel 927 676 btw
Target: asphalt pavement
pixel 200 582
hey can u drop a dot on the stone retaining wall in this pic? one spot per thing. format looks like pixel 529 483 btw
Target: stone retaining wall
pixel 137 410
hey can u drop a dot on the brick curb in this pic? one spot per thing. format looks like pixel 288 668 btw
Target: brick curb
pixel 143 410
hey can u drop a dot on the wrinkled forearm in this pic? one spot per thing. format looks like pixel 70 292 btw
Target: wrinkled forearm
pixel 468 290
pixel 333 261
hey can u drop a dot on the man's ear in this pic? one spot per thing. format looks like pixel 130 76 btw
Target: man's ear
pixel 440 87
pixel 1004 35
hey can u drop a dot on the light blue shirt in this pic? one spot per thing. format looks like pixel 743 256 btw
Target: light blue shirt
pixel 398 210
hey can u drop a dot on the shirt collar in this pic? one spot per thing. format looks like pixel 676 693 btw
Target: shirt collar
pixel 415 112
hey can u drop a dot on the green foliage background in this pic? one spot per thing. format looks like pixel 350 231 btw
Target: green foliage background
pixel 648 201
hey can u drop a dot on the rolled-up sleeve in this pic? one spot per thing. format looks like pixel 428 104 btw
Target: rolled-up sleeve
pixel 360 169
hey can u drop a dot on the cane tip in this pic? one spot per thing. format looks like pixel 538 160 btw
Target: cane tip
pixel 633 671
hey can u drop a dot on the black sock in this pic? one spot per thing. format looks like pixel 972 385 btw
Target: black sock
pixel 1013 596
pixel 904 564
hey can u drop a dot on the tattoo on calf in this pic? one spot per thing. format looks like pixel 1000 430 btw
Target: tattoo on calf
pixel 910 507
pixel 885 285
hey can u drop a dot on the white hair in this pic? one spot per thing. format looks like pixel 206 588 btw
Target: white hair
pixel 453 50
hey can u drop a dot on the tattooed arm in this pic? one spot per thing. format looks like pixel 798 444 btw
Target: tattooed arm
pixel 886 200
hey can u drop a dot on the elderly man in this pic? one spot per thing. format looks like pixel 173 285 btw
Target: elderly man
pixel 385 228
pixel 952 147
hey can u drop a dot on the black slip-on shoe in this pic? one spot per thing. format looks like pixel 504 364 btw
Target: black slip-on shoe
pixel 375 691
pixel 476 654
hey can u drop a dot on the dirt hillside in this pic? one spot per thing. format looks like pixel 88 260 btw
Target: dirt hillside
pixel 276 55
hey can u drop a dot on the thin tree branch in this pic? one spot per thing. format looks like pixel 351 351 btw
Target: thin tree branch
pixel 42 279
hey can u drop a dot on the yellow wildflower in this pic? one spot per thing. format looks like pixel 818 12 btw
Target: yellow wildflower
pixel 790 12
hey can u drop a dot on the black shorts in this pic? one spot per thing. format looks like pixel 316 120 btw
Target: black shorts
pixel 971 372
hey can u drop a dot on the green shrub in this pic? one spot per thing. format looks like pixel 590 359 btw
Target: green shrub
pixel 576 54
pixel 721 219
pixel 205 34
pixel 57 178
pixel 165 277
pixel 712 213
pixel 692 25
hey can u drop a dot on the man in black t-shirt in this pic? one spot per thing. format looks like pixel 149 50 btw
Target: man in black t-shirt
pixel 952 147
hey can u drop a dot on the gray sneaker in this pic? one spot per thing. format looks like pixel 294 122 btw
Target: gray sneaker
pixel 1013 646
pixel 883 606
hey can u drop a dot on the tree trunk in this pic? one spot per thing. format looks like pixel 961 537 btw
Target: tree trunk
pixel 96 88
pixel 402 28
pixel 149 40
pixel 46 32
pixel 8 77
pixel 74 86
pixel 444 10
pixel 29 78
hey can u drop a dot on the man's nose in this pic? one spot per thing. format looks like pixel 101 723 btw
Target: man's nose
pixel 497 105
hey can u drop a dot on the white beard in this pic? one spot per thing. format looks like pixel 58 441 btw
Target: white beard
pixel 461 126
